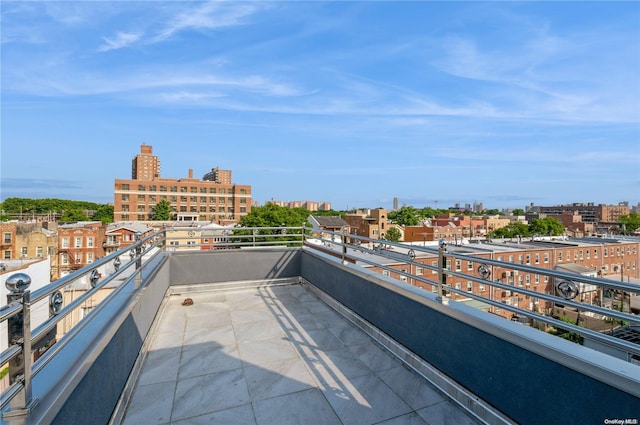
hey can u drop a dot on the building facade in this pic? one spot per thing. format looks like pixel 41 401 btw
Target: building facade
pixel 79 244
pixel 191 199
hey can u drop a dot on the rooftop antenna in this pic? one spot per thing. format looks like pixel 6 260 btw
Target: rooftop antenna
pixel 436 202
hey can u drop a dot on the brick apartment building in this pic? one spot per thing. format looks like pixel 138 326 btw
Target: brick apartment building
pixel 215 198
pixel 79 244
pixel 590 213
pixel 372 224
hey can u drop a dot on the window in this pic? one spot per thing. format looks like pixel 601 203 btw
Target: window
pixel 559 256
pixel 142 217
pixel 527 280
pixel 183 199
pixel 183 208
pixel 64 259
pixel 527 259
pixel 221 200
pixel 174 243
pixel 152 188
pixel 125 197
pixel 482 287
pixel 511 258
pixel 536 279
pixel 595 253
pixel 435 267
pixel 458 285
pixel 124 186
pixel 203 190
pixel 243 201
pixel 203 199
pixel 152 198
pixel 192 208
pixel 403 278
pixel 606 253
pixel 173 198
pixel 458 265
pixel 469 265
pixel 212 190
pixel 520 259
pixel 7 238
pixel 125 217
pixel 203 209
pixel 419 271
pixel 193 199
pixel 141 197
pixel 470 286
pixel 7 255
pixel 546 258
pixel 89 241
pixel 386 273
pixel 183 189
pixel 191 243
pixel 125 207
pixel 142 187
pixel 65 242
pixel 243 209
pixel 212 209
pixel 78 243
pixel 537 257
pixel 448 264
pixel 24 251
pixel 193 189
pixel 163 188
pixel 243 191
pixel 89 257
pixel 221 191
pixel 173 189
pixel 140 208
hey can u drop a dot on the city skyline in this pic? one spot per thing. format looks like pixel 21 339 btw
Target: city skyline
pixel 354 103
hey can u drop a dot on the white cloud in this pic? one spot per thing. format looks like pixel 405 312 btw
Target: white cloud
pixel 122 39
pixel 210 15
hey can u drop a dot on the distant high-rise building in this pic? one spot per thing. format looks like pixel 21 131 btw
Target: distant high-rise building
pixel 219 176
pixel 395 203
pixel 145 165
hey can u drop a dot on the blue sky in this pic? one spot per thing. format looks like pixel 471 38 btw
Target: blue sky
pixel 354 103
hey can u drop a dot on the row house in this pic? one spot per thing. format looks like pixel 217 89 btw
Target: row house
pixel 79 244
pixel 121 235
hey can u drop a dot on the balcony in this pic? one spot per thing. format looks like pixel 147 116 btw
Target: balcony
pixel 286 332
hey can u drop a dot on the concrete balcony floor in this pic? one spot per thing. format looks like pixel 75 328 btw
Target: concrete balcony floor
pixel 275 355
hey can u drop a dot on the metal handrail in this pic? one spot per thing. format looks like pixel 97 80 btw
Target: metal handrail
pixel 348 251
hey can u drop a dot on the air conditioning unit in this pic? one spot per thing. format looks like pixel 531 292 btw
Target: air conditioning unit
pixel 506 274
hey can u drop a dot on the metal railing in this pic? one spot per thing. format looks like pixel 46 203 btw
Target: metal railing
pixel 17 314
pixel 561 288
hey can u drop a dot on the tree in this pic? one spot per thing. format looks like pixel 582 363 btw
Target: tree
pixel 546 226
pixel 72 215
pixel 405 216
pixel 162 211
pixel 631 222
pixel 518 211
pixel 393 235
pixel 104 213
pixel 271 215
pixel 511 230
pixel 428 212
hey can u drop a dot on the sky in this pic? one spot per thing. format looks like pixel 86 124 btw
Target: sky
pixel 353 103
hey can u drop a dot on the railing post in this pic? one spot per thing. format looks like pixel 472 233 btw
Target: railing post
pixel 344 245
pixel 138 236
pixel 19 332
pixel 303 230
pixel 442 277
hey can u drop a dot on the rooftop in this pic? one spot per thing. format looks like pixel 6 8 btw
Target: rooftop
pixel 275 355
pixel 291 331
